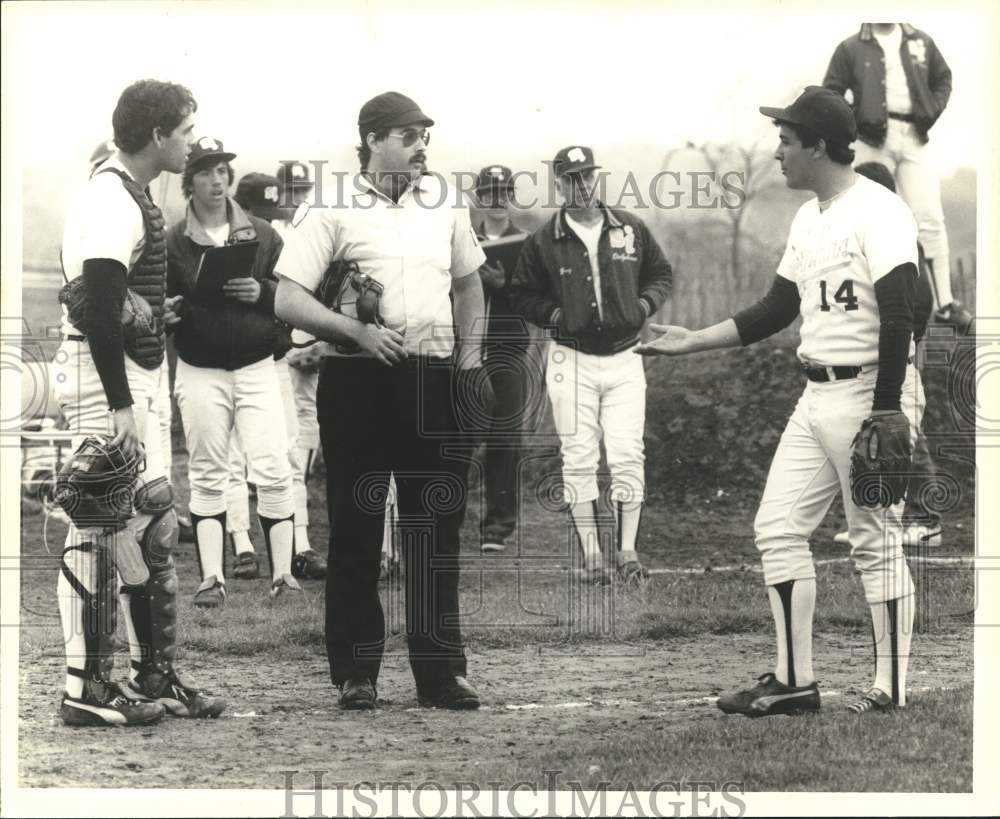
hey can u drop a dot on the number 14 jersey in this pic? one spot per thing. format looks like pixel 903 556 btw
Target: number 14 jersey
pixel 836 252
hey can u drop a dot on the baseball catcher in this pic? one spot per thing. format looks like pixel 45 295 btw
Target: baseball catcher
pixel 107 379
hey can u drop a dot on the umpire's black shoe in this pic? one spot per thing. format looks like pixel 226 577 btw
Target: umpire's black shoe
pixel 357 694
pixel 770 697
pixel 455 694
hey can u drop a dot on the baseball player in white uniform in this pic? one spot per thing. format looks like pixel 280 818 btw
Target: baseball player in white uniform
pixel 850 269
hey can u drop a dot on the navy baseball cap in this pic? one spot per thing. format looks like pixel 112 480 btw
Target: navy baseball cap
pixel 494 176
pixel 208 148
pixel 294 174
pixel 823 111
pixel 388 110
pixel 257 190
pixel 573 159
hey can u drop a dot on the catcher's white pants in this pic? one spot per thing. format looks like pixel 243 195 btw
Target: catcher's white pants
pixel 212 403
pixel 237 502
pixel 164 414
pixel 918 184
pixel 813 463
pixel 595 395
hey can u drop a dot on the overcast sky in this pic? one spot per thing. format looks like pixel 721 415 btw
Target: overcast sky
pixel 289 83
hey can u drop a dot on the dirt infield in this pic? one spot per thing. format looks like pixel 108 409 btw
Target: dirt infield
pixel 282 716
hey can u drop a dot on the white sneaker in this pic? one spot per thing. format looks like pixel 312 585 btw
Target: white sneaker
pixel 843 538
pixel 922 535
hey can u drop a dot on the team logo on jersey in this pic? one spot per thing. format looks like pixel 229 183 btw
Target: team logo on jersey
pixel 623 239
pixel 918 51
pixel 617 237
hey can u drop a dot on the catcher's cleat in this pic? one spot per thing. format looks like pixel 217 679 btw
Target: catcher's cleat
pixel 770 697
pixel 211 593
pixel 104 703
pixel 874 700
pixel 956 315
pixel 922 535
pixel 246 566
pixel 185 531
pixel 842 538
pixel 357 694
pixel 285 583
pixel 456 695
pixel 309 565
pixel 177 696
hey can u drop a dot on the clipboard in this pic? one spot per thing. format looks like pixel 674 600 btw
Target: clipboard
pixel 220 264
pixel 504 250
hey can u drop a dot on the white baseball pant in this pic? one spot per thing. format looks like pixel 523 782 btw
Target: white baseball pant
pixel 812 463
pixel 164 415
pixel 918 184
pixel 304 389
pixel 237 502
pixel 212 403
pixel 595 395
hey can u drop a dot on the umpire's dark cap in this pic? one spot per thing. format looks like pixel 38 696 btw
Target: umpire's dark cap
pixel 389 110
pixel 823 111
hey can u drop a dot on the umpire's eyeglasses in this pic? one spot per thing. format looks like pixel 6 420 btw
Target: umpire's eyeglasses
pixel 411 135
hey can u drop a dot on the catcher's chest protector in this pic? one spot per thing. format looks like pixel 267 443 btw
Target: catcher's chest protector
pixel 148 276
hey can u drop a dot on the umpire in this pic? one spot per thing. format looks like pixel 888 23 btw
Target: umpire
pixel 388 407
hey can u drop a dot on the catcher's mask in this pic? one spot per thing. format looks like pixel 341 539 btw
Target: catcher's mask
pixel 96 485
pixel 338 280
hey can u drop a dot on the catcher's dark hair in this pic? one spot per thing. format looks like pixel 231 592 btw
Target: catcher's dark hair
pixel 840 154
pixel 145 106
pixel 364 152
pixel 187 180
pixel 877 172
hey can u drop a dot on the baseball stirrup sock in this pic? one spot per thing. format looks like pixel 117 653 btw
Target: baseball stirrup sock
pixel 301 539
pixel 278 535
pixel 209 535
pixel 792 605
pixel 892 631
pixel 627 528
pixel 74 601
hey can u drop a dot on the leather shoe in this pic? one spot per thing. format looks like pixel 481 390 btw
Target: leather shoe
pixel 455 694
pixel 357 694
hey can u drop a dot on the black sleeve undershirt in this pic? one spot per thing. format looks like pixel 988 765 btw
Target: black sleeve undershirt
pixel 894 294
pixel 773 313
pixel 105 283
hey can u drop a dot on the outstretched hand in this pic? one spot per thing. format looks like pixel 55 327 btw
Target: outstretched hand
pixel 673 340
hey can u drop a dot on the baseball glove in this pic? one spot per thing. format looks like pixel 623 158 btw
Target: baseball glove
pixel 138 321
pixel 880 461
pixel 95 487
pixel 342 277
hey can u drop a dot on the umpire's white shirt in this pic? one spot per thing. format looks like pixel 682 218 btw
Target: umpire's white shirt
pixel 413 248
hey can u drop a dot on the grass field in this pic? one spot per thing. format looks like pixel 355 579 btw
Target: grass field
pixel 608 685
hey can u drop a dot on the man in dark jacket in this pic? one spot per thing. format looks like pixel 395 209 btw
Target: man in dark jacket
pixel 595 274
pixel 226 377
pixel 900 85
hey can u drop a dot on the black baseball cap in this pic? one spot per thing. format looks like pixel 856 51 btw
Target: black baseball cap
pixel 294 174
pixel 573 159
pixel 388 110
pixel 823 111
pixel 208 148
pixel 494 176
pixel 258 190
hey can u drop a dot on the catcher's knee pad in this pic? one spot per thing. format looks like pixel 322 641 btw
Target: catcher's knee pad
pixel 160 535
pixel 100 606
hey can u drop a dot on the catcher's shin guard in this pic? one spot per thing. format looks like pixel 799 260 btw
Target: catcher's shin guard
pixel 96 612
pixel 153 606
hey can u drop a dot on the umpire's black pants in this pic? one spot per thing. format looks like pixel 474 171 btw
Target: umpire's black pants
pixel 375 420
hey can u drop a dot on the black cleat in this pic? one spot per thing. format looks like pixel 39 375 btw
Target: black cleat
pixel 874 700
pixel 105 704
pixel 770 697
pixel 179 697
pixel 309 565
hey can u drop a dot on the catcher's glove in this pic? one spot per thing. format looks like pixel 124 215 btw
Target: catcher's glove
pixel 138 320
pixel 96 485
pixel 880 461
pixel 342 277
